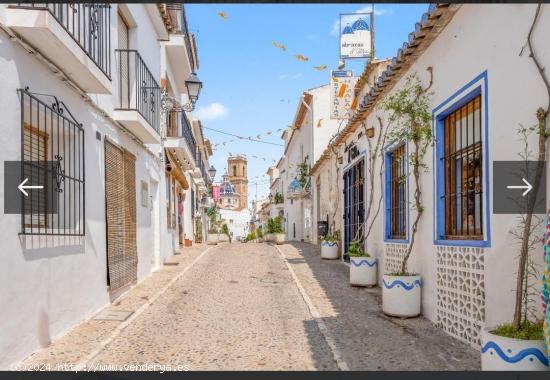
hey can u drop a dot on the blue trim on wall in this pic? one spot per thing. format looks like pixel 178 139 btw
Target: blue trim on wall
pixel 451 104
pixel 387 193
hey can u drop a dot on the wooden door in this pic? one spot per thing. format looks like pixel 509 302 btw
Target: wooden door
pixel 120 205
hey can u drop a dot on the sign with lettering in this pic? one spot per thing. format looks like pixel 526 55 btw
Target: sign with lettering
pixel 342 85
pixel 355 35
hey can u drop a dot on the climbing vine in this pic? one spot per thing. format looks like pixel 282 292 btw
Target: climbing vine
pixel 409 112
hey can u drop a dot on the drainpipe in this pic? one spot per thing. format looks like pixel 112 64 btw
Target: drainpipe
pixel 310 157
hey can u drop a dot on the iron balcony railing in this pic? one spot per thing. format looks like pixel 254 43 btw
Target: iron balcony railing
pixel 176 12
pixel 88 24
pixel 137 90
pixel 179 126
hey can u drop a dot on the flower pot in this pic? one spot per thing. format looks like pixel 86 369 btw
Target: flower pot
pixel 362 271
pixel 401 295
pixel 279 238
pixel 499 353
pixel 212 239
pixel 329 250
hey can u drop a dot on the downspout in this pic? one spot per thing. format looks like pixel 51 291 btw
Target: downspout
pixel 310 157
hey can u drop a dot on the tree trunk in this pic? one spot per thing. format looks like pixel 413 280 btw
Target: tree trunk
pixel 417 202
pixel 524 253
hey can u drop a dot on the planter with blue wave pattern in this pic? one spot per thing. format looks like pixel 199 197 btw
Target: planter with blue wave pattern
pixel 362 271
pixel 329 250
pixel 499 353
pixel 402 295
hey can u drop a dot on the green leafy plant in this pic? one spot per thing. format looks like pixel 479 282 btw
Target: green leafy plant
pixel 527 331
pixel 251 236
pixel 278 198
pixel 409 110
pixel 303 174
pixel 355 250
pixel 225 230
pixel 198 230
pixel 260 232
pixel 275 225
pixel 334 238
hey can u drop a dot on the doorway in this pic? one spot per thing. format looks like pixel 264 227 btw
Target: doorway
pixel 354 197
pixel 120 211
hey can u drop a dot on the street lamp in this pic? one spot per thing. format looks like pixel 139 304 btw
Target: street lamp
pixel 212 171
pixel 194 86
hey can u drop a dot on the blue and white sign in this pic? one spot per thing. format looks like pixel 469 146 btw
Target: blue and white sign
pixel 355 35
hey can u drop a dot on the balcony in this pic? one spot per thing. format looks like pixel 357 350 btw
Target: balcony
pixel 179 138
pixel 180 48
pixel 75 37
pixel 138 97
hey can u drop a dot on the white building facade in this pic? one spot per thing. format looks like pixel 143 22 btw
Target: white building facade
pixel 489 86
pixel 82 103
pixel 311 131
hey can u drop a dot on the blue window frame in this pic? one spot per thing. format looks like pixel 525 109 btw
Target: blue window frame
pixel 461 162
pixel 396 199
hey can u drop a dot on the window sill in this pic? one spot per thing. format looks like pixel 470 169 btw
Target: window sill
pixel 396 241
pixel 464 243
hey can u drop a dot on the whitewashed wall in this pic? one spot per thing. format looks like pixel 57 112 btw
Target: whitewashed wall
pixel 480 38
pixel 47 290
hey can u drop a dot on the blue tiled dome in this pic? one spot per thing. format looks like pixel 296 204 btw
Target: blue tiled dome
pixel 360 24
pixel 347 30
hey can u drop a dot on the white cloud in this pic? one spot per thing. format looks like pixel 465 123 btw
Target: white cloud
pixel 212 111
pixel 289 76
pixel 335 30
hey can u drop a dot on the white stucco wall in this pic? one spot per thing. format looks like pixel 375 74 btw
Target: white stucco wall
pixel 50 284
pixel 475 42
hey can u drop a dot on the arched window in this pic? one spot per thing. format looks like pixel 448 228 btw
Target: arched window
pixel 234 170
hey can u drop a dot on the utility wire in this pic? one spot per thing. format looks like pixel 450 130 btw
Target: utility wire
pixel 241 137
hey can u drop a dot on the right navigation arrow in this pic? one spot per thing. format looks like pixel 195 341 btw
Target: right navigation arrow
pixel 527 187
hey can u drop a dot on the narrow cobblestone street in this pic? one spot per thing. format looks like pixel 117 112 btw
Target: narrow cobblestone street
pixel 256 306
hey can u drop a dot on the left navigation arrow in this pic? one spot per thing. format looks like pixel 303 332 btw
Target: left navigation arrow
pixel 22 187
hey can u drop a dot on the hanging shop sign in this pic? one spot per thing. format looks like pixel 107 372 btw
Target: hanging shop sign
pixel 355 35
pixel 342 84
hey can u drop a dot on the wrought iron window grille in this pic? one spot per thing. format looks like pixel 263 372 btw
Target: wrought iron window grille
pixel 52 155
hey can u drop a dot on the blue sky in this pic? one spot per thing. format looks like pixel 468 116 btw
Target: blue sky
pixel 250 87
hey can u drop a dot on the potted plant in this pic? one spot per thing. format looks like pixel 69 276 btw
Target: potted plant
pixel 212 237
pixel 409 109
pixel 329 246
pixel 225 232
pixel 362 269
pixel 275 231
pixel 260 233
pixel 519 345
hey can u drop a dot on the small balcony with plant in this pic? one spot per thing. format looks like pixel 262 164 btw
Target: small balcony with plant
pixel 76 37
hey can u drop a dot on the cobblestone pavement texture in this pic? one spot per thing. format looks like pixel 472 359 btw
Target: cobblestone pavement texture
pixel 366 337
pixel 238 308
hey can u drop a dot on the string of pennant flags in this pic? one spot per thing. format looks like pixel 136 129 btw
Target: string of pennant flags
pixel 298 56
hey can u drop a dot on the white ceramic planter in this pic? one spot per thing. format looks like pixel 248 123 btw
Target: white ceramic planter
pixel 268 237
pixel 401 295
pixel 279 238
pixel 362 271
pixel 212 239
pixel 506 354
pixel 329 250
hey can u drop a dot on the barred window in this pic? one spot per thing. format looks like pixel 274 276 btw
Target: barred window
pixel 463 173
pixel 398 193
pixel 52 154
